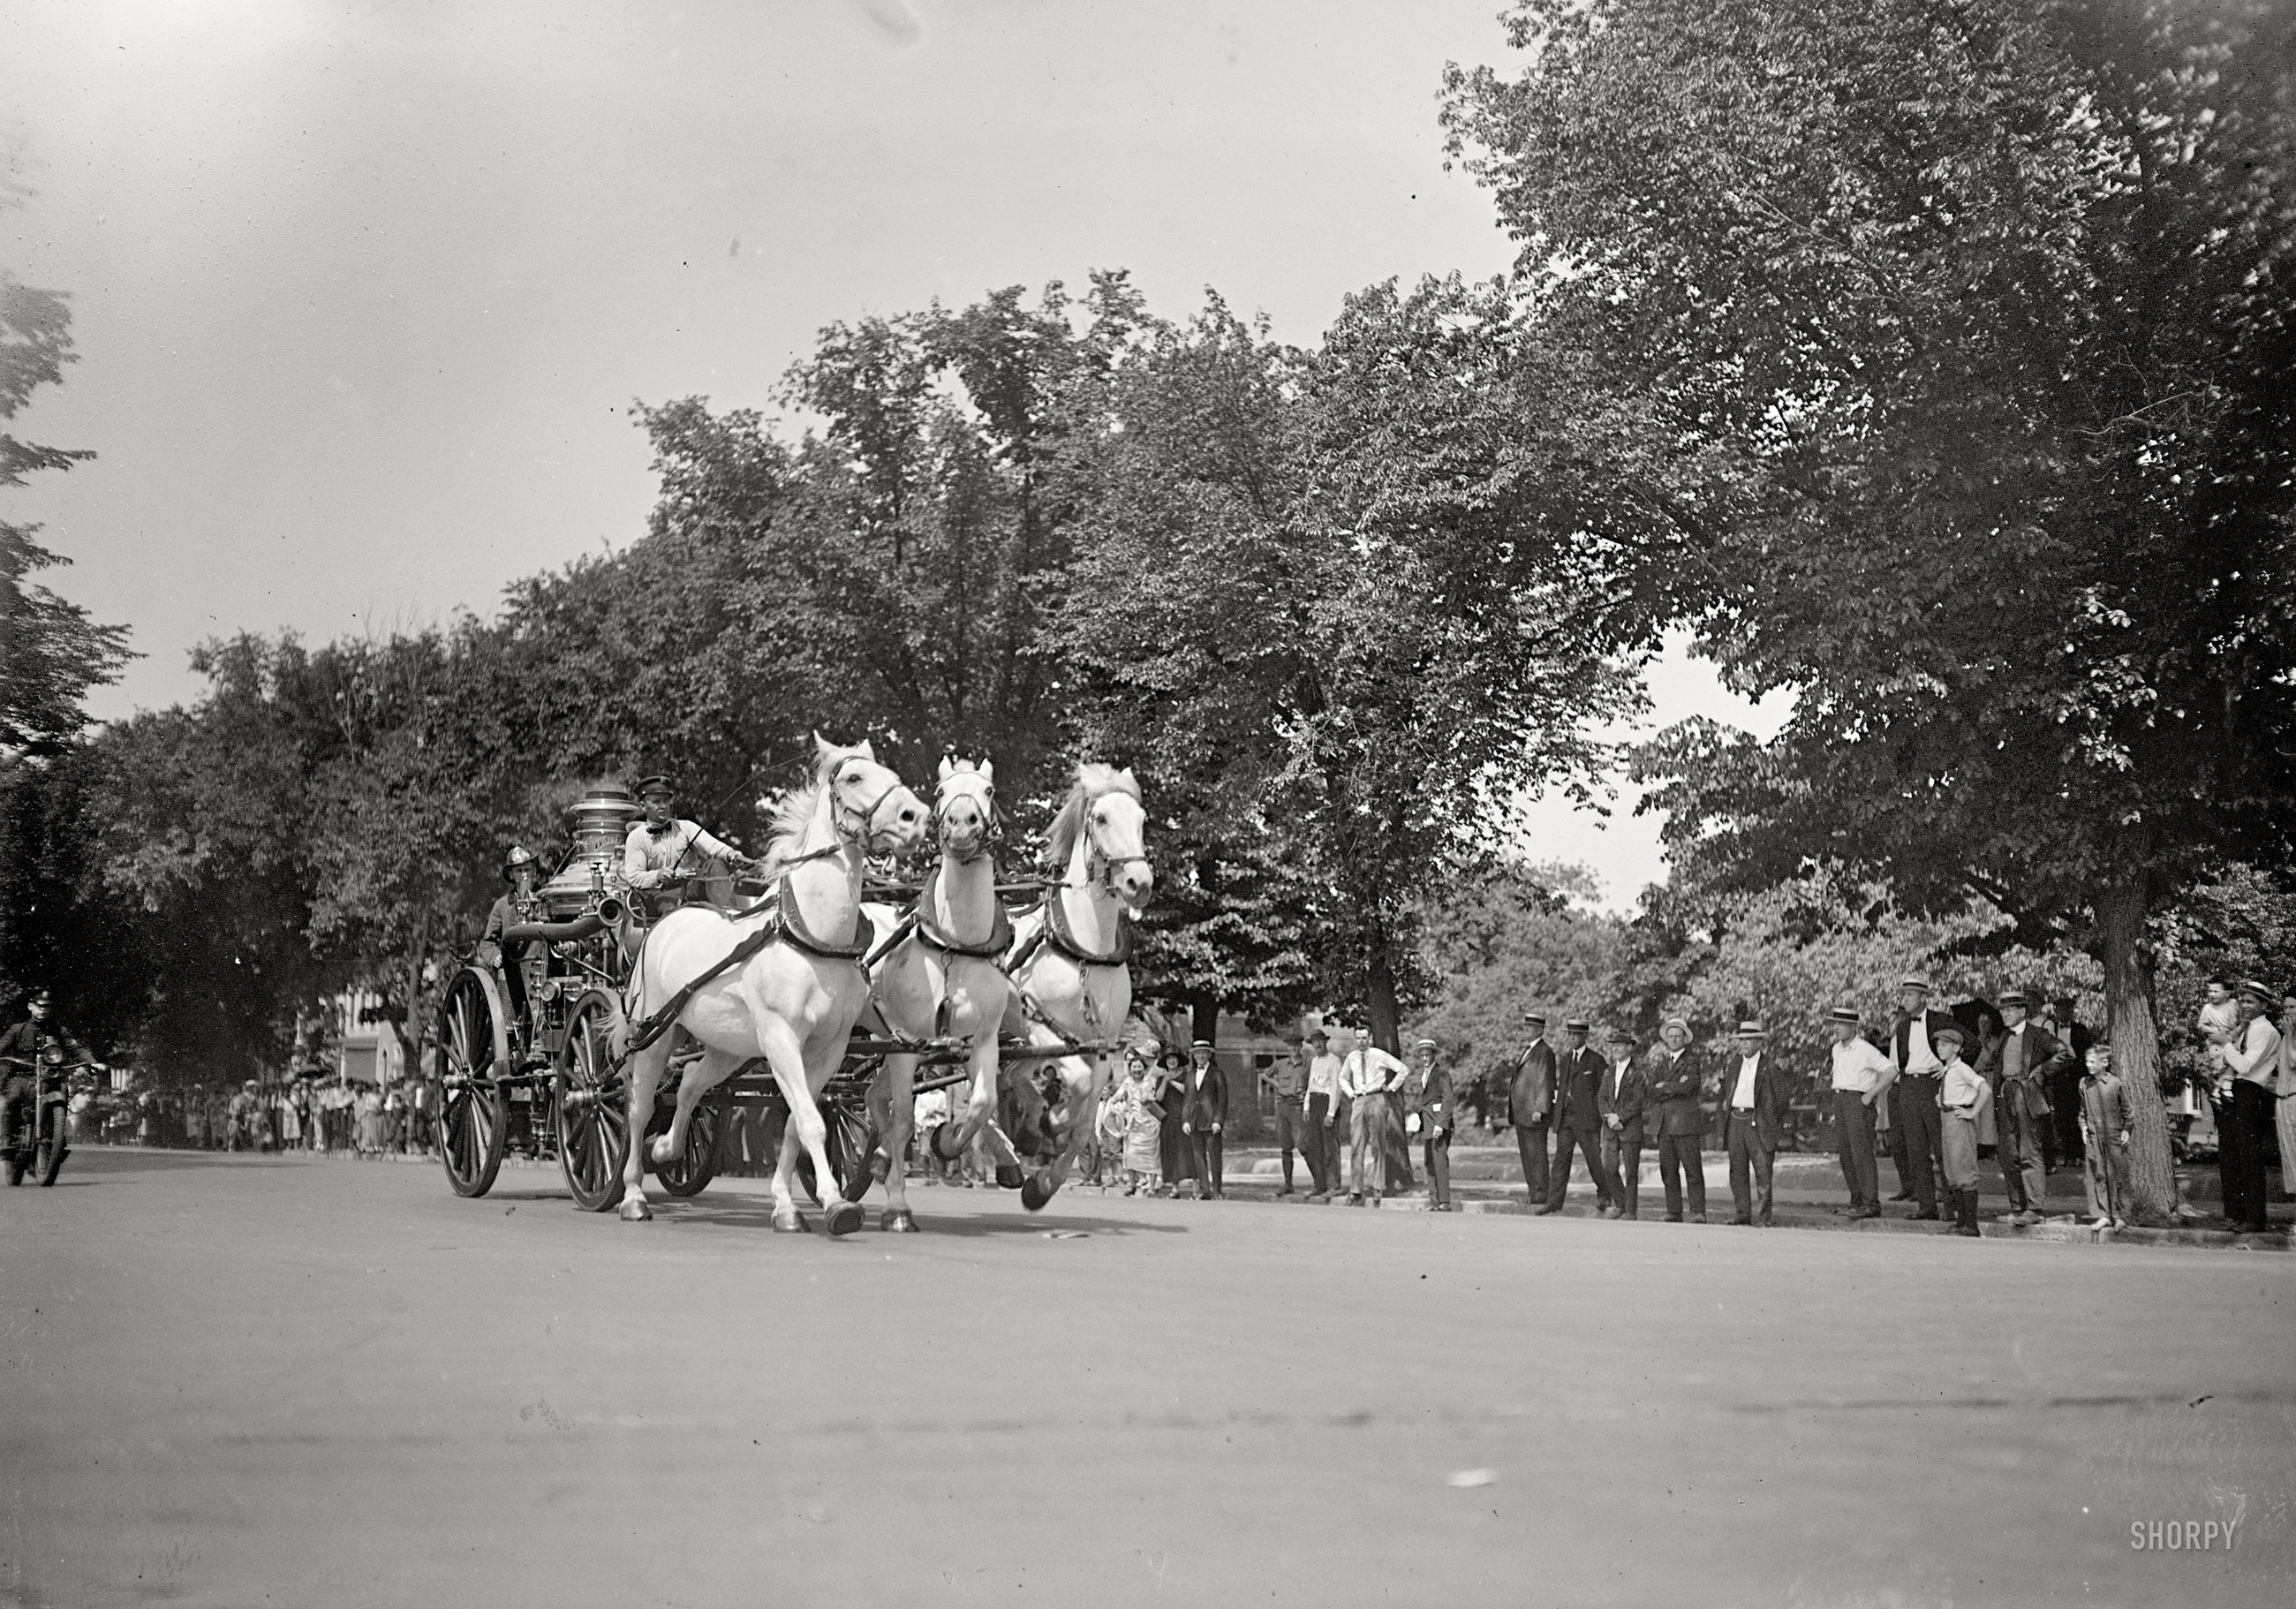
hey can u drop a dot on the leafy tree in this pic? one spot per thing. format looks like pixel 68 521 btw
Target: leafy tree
pixel 51 654
pixel 1958 336
pixel 204 813
pixel 1354 598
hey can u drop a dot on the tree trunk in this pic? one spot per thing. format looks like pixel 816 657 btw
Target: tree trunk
pixel 1203 1019
pixel 1379 992
pixel 2134 1037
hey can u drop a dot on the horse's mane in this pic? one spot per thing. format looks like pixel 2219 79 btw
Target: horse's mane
pixel 793 809
pixel 1093 779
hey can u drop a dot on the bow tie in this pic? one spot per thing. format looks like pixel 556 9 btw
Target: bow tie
pixel 666 826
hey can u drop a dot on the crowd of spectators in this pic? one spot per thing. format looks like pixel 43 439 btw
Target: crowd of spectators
pixel 320 1115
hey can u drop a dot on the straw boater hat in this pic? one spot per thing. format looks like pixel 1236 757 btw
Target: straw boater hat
pixel 1681 1023
pixel 1577 1025
pixel 2263 993
pixel 1752 1030
pixel 1422 1045
pixel 1533 1016
pixel 1843 1014
pixel 2016 996
pixel 1914 981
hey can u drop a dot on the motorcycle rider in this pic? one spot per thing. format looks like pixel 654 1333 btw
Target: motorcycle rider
pixel 23 1045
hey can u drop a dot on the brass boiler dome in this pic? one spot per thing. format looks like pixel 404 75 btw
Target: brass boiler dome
pixel 599 822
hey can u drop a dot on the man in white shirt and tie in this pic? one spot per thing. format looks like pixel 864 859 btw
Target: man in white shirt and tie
pixel 1862 1077
pixel 2252 1059
pixel 1366 1077
pixel 1754 1097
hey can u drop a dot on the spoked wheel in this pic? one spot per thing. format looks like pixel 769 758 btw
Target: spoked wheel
pixel 591 1113
pixel 850 1139
pixel 48 1161
pixel 472 1121
pixel 690 1171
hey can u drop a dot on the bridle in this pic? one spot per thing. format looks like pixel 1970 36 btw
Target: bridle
pixel 1100 867
pixel 992 833
pixel 857 824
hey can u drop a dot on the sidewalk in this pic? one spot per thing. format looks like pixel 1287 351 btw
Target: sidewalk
pixel 1809 1194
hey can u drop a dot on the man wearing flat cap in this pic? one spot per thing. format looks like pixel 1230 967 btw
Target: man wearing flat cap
pixel 1915 1134
pixel 1674 1077
pixel 1531 1107
pixel 1862 1076
pixel 1428 1117
pixel 1578 1120
pixel 2017 1067
pixel 1621 1096
pixel 1754 1096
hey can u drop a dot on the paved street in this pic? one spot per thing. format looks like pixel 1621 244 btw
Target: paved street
pixel 244 1380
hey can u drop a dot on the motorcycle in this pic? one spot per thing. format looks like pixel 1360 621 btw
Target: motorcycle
pixel 40 1147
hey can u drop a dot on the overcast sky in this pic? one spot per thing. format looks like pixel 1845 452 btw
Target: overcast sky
pixel 362 293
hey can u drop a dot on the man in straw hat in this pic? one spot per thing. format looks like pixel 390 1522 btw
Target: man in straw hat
pixel 2018 1067
pixel 2251 1059
pixel 1862 1076
pixel 1675 1078
pixel 1531 1107
pixel 1913 1112
pixel 1620 1097
pixel 1755 1096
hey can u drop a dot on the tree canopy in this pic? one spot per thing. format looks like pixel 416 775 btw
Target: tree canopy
pixel 1960 335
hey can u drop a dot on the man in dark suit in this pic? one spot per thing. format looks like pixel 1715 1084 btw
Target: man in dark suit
pixel 2018 1067
pixel 1530 1106
pixel 2064 1092
pixel 1673 1075
pixel 1620 1095
pixel 1754 1095
pixel 1205 1116
pixel 1578 1119
pixel 1917 1131
pixel 1429 1116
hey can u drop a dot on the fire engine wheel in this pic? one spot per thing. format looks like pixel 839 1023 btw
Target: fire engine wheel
pixel 473 1118
pixel 690 1171
pixel 592 1111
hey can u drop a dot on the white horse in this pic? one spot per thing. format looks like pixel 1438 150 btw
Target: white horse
pixel 794 1001
pixel 943 977
pixel 1069 976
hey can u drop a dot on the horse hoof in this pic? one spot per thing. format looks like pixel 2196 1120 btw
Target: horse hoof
pixel 794 1224
pixel 845 1217
pixel 637 1213
pixel 658 1151
pixel 1037 1192
pixel 900 1221
pixel 1008 1176
pixel 940 1141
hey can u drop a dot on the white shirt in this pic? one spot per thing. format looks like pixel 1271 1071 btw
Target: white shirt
pixel 1370 1070
pixel 682 849
pixel 1858 1066
pixel 2256 1058
pixel 1962 1089
pixel 1618 1074
pixel 1742 1099
pixel 1324 1076
pixel 1921 1057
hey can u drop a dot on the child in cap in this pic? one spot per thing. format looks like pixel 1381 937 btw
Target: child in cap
pixel 1966 1100
pixel 2105 1116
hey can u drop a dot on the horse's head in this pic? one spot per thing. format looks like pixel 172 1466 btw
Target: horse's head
pixel 871 806
pixel 966 809
pixel 1116 830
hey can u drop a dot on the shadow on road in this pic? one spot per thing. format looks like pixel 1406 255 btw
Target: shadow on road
pixel 757 1212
